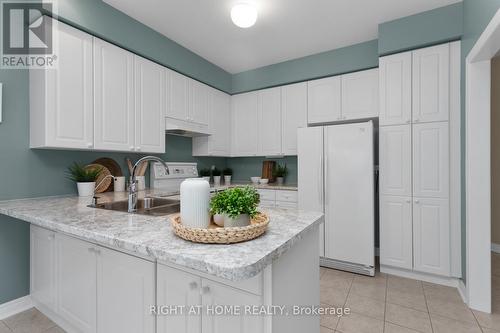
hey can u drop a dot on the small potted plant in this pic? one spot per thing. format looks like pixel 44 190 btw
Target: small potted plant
pixel 228 172
pixel 205 174
pixel 280 172
pixel 236 206
pixel 216 174
pixel 84 177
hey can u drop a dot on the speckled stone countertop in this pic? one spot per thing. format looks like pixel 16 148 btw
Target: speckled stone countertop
pixel 153 236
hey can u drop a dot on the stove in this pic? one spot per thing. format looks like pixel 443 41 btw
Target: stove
pixel 160 180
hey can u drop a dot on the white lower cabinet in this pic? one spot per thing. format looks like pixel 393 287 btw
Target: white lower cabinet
pixel 431 235
pixel 42 267
pixel 89 288
pixel 76 283
pixel 396 231
pixel 201 296
pixel 215 294
pixel 125 293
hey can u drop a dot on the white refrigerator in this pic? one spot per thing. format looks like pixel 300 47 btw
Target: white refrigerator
pixel 336 176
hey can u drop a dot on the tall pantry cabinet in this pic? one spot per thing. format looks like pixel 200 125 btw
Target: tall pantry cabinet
pixel 418 110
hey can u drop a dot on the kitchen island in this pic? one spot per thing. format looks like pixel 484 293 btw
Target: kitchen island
pixel 136 272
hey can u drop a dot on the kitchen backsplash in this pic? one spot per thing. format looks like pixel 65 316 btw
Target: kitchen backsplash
pixel 246 167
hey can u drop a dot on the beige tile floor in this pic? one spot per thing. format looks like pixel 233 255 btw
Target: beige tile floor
pixel 382 304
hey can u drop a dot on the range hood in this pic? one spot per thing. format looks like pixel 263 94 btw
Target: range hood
pixel 184 128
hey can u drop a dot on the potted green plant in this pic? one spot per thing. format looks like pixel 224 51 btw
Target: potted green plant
pixel 235 206
pixel 228 173
pixel 84 178
pixel 216 174
pixel 205 174
pixel 280 172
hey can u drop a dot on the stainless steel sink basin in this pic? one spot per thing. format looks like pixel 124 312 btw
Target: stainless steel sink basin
pixel 147 206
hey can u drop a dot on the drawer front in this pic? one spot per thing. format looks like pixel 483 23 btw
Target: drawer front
pixel 267 203
pixel 288 196
pixel 286 204
pixel 267 195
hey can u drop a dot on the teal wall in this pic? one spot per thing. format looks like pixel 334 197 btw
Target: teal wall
pixel 348 59
pixel 432 27
pixel 246 167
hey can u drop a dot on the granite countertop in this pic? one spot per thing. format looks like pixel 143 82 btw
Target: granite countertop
pixel 272 186
pixel 153 237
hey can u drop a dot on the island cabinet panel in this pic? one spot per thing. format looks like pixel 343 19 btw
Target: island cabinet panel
pixel 76 283
pixel 176 288
pixel 125 293
pixel 215 294
pixel 42 263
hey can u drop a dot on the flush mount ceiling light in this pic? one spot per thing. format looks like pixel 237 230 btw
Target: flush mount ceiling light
pixel 244 15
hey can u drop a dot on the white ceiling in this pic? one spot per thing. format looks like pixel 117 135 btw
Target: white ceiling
pixel 285 29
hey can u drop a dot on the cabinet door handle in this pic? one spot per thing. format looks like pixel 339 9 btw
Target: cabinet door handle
pixel 193 285
pixel 97 251
pixel 51 237
pixel 417 120
pixel 138 148
pixel 408 200
pixel 89 145
pixel 205 290
pixel 417 201
pixel 408 121
pixel 91 249
pixel 132 148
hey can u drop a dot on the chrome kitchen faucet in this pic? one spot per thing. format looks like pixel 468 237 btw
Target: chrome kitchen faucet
pixel 132 191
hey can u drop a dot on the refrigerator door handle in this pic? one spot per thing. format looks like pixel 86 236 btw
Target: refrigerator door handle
pixel 325 175
pixel 320 179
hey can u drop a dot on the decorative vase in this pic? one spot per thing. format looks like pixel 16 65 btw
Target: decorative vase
pixel 195 199
pixel 85 189
pixel 219 220
pixel 216 181
pixel 227 180
pixel 241 221
pixel 280 180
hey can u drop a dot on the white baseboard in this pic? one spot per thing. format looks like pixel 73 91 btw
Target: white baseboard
pixel 462 290
pixel 495 247
pixel 15 306
pixel 445 281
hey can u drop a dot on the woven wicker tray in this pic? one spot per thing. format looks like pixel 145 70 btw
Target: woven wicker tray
pixel 219 235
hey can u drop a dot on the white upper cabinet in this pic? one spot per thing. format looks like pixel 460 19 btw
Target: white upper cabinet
pixel 360 95
pixel 396 231
pixel 324 100
pixel 149 106
pixel 178 96
pixel 395 89
pixel 245 118
pixel 114 97
pixel 395 160
pixel 293 115
pixel 431 84
pixel 269 123
pixel 61 99
pixel 431 235
pixel 126 289
pixel 217 144
pixel 199 102
pixel 431 160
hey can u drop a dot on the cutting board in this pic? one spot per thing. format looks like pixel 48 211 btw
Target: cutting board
pixel 267 170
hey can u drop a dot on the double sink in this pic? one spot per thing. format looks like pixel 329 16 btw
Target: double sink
pixel 153 206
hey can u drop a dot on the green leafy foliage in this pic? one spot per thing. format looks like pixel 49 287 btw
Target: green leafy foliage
pixel 216 172
pixel 236 201
pixel 79 174
pixel 280 170
pixel 204 173
pixel 227 172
